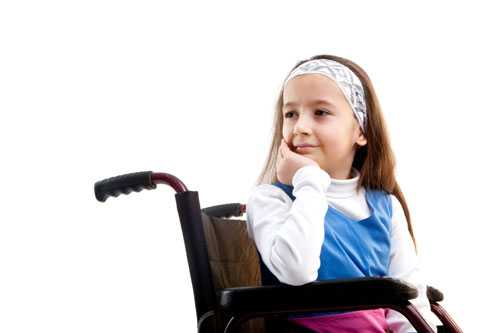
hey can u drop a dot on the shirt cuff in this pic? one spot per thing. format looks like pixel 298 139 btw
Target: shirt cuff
pixel 311 175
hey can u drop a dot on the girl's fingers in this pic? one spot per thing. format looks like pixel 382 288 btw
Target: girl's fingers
pixel 283 143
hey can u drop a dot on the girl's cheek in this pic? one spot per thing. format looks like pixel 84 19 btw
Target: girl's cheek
pixel 288 138
pixel 286 134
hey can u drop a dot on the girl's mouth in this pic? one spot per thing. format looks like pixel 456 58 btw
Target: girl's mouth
pixel 304 149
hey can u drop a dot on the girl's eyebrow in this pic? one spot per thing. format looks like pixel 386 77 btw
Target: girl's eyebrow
pixel 315 102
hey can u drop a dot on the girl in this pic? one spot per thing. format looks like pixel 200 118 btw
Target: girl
pixel 327 204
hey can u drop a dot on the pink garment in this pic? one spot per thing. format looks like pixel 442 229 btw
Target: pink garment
pixel 365 321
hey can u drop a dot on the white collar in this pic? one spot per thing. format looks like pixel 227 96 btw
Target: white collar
pixel 344 188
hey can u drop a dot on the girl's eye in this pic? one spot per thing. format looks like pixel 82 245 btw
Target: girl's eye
pixel 324 112
pixel 318 112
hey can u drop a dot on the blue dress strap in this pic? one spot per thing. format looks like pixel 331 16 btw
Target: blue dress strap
pixel 287 188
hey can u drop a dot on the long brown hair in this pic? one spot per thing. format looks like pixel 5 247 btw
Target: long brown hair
pixel 375 160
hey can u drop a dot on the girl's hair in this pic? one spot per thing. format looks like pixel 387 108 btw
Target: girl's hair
pixel 375 160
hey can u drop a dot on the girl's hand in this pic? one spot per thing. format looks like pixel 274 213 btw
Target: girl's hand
pixel 289 162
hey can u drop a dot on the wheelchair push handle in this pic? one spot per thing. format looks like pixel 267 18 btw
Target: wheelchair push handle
pixel 137 181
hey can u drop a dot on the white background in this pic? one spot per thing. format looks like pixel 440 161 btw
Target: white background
pixel 94 89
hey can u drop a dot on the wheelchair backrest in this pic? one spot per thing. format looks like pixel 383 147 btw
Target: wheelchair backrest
pixel 232 254
pixel 233 257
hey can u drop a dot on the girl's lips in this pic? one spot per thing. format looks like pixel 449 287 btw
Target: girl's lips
pixel 306 148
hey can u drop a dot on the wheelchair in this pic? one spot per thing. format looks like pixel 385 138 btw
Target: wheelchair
pixel 225 270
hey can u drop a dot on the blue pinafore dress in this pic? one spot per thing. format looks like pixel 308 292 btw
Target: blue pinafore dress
pixel 351 248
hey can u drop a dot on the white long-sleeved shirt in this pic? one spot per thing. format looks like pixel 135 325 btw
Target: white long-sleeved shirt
pixel 289 234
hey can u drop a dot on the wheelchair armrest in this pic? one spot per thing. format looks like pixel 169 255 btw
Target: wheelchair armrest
pixel 316 296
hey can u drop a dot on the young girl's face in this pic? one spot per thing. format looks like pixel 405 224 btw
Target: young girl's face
pixel 316 112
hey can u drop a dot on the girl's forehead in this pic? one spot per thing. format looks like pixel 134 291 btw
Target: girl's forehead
pixel 311 87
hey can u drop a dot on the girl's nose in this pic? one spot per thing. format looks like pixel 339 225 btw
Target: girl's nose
pixel 302 126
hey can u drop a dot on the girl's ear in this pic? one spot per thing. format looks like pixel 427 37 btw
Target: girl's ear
pixel 361 140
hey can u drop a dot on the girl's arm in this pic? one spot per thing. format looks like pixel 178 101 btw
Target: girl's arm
pixel 404 265
pixel 289 234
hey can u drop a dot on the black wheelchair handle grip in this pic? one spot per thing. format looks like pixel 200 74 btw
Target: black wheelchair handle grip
pixel 123 184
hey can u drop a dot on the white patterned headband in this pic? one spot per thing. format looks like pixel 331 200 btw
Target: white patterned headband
pixel 346 80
